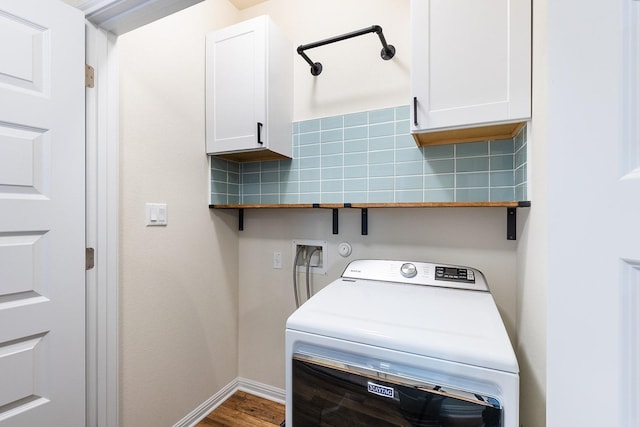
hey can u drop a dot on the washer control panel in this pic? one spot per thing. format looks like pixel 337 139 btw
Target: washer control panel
pixel 455 274
pixel 417 273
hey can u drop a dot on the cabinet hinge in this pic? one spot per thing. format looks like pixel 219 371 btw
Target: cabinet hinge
pixel 88 75
pixel 89 258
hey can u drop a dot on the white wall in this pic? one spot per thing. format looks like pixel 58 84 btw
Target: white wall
pixel 178 284
pixel 532 262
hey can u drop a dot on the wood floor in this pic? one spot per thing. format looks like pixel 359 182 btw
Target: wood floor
pixel 245 410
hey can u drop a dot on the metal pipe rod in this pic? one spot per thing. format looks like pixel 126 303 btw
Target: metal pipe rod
pixel 346 36
pixel 388 51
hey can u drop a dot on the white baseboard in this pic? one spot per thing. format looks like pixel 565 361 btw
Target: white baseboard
pixel 242 384
pixel 195 416
pixel 261 390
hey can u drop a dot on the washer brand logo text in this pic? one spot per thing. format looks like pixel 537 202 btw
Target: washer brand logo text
pixel 380 390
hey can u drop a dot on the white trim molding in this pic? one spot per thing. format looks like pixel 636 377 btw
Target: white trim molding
pixel 102 229
pixel 242 384
pixel 122 16
pixel 261 390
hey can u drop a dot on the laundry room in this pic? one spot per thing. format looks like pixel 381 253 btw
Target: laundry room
pixel 204 300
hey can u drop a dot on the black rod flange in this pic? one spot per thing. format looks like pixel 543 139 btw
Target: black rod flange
pixel 387 52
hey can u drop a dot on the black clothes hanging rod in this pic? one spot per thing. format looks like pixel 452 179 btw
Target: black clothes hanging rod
pixel 388 51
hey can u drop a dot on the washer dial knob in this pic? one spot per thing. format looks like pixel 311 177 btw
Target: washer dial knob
pixel 408 270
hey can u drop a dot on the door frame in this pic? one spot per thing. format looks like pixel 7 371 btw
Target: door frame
pixel 102 195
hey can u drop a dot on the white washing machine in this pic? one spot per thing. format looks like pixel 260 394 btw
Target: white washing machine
pixel 398 343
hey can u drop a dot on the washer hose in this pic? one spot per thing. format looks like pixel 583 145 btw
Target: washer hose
pixel 295 275
pixel 309 272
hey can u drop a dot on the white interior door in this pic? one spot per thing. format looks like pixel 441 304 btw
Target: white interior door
pixel 42 296
pixel 593 330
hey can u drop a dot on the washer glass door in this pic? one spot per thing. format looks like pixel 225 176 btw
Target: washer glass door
pixel 330 393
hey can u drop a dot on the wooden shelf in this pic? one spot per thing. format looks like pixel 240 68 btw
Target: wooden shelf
pixel 481 133
pixel 513 204
pixel 364 208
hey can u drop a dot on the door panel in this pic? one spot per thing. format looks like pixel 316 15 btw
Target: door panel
pixel 42 338
pixel 23 54
pixel 24 160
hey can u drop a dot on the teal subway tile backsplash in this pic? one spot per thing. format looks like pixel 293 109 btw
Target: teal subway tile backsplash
pixel 309 126
pixel 502 179
pixel 438 152
pixel 331 135
pixel 502 194
pixel 409 183
pixel 379 116
pixel 359 132
pixel 331 173
pixel 309 138
pixel 310 150
pixel 332 160
pixel 405 141
pixel 409 168
pixel 380 157
pixel 471 180
pixel 371 157
pixel 413 154
pixel 439 166
pixel 331 148
pixel 472 164
pixel 382 143
pixel 403 112
pixel 356 146
pixel 402 196
pixel 355 185
pixel 331 123
pixel 439 195
pixel 355 119
pixel 502 146
pixel 439 181
pixel 469 149
pixel 352 159
pixel 387 169
pixel 382 129
pixel 472 195
pixel 504 162
pixel 351 172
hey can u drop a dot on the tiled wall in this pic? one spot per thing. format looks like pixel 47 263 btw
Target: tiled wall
pixel 372 157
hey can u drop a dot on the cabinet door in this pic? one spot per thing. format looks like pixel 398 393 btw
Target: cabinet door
pixel 471 62
pixel 236 76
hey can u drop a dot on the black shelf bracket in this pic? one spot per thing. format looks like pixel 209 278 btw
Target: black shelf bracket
pixel 335 221
pixel 511 223
pixel 512 217
pixel 240 219
pixel 364 221
pixel 387 52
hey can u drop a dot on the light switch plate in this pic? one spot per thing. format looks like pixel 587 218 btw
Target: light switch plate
pixel 155 214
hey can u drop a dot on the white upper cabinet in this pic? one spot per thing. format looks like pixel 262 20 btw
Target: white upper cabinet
pixel 471 71
pixel 249 99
